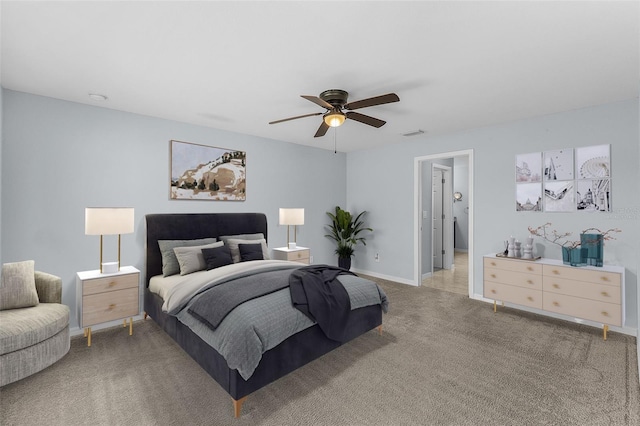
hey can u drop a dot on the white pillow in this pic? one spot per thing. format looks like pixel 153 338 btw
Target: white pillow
pixel 191 259
pixel 235 251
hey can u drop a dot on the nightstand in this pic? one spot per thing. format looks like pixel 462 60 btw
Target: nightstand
pixel 298 254
pixel 107 297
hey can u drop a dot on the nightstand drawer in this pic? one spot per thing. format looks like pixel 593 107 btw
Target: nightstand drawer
pixel 108 306
pixel 110 283
pixel 599 292
pixel 603 312
pixel 584 275
pixel 297 255
pixel 518 295
pixel 519 279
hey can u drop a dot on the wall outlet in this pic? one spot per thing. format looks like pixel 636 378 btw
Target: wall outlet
pixel 377 257
pixel 310 259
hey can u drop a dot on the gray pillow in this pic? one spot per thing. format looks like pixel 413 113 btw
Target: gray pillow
pixel 170 265
pixel 258 236
pixel 235 251
pixel 191 258
pixel 18 285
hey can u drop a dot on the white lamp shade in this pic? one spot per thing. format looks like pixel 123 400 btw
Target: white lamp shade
pixel 291 217
pixel 108 220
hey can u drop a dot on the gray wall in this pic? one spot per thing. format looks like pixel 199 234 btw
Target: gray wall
pixel 391 202
pixel 60 157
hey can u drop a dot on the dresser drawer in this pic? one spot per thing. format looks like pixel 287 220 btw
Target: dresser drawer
pixel 519 279
pixel 294 255
pixel 103 307
pixel 602 312
pixel 599 292
pixel 518 295
pixel 525 266
pixel 583 275
pixel 110 283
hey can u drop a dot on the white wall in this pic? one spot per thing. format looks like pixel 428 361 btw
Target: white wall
pixel 59 157
pixel 391 206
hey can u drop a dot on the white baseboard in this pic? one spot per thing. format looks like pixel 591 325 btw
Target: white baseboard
pixel 385 277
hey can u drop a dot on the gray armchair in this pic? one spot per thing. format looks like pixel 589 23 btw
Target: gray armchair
pixel 33 338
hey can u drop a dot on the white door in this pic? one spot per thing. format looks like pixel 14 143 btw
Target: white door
pixel 436 182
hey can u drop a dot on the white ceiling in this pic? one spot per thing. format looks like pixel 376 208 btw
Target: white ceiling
pixel 238 65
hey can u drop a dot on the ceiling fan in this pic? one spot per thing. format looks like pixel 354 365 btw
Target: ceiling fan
pixel 335 101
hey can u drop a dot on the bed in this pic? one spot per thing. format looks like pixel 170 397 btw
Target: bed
pixel 292 353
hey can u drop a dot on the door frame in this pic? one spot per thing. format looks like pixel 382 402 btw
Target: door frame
pixel 417 212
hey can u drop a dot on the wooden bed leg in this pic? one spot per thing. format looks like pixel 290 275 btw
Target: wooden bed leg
pixel 237 406
pixel 145 315
pixel 379 328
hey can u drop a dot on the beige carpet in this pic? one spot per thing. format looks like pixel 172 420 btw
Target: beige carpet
pixel 443 360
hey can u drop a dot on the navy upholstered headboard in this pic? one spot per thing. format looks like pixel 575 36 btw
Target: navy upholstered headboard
pixel 190 226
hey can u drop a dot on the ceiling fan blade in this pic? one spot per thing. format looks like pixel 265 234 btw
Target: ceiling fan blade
pixel 318 101
pixel 322 130
pixel 365 119
pixel 376 100
pixel 295 118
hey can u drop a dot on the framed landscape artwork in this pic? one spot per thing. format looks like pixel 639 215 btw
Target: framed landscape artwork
pixel 201 172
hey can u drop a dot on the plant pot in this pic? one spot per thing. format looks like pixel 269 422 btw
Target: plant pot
pixel 344 262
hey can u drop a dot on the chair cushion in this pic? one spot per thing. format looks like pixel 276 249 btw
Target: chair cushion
pixel 18 285
pixel 25 327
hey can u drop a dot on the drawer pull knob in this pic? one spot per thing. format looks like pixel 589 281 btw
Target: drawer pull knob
pixel 605 294
pixel 555 271
pixel 604 278
pixel 605 313
pixel 493 263
pixel 299 255
pixel 493 291
pixel 112 283
pixel 556 286
pixel 556 304
pixel 493 275
pixel 112 306
pixel 529 268
pixel 529 282
pixel 530 299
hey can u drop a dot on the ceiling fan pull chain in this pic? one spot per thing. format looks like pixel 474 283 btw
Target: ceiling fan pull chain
pixel 335 143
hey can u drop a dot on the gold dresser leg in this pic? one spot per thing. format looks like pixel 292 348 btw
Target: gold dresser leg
pixel 130 326
pixel 495 306
pixel 89 336
pixel 124 322
pixel 605 329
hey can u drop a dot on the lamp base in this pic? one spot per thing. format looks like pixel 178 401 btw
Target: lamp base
pixel 292 246
pixel 109 267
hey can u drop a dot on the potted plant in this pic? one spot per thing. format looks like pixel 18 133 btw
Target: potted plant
pixel 345 230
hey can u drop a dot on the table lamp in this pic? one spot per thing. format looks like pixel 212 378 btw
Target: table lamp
pixel 291 217
pixel 108 221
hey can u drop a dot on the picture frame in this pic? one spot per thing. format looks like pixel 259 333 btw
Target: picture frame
pixel 558 165
pixel 203 172
pixel 529 197
pixel 529 167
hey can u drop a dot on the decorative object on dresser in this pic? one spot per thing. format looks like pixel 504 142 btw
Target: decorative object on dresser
pixel 594 294
pixel 107 297
pixel 298 254
pixel 202 172
pixel 586 251
pixel 291 217
pixel 108 221
pixel 345 231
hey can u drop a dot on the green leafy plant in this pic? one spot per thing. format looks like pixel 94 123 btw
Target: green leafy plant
pixel 346 230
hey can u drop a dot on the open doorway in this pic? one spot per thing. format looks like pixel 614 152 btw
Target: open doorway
pixel 457 225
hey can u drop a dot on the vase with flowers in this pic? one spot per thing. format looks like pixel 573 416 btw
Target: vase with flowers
pixel 586 251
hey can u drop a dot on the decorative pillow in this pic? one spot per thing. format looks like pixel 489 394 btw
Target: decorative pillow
pixel 170 265
pixel 191 259
pixel 18 285
pixel 217 257
pixel 235 252
pixel 258 236
pixel 250 252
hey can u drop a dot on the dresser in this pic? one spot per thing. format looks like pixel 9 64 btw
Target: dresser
pixel 298 254
pixel 107 297
pixel 588 293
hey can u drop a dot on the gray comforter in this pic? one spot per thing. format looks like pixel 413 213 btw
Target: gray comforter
pixel 259 324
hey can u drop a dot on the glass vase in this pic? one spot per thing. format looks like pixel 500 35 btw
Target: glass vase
pixel 574 256
pixel 593 244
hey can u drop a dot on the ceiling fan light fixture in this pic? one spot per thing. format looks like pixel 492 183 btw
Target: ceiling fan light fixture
pixel 334 118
